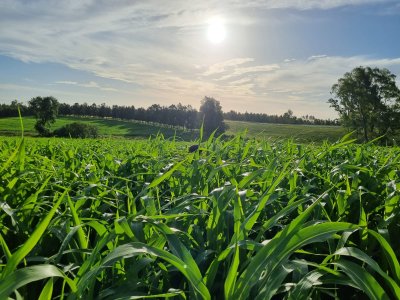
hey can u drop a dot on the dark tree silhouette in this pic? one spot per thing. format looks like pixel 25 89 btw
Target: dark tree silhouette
pixel 45 110
pixel 211 115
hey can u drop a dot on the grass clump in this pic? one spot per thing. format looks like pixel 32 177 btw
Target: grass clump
pixel 242 219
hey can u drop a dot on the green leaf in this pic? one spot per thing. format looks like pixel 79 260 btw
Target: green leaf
pixel 47 291
pixel 229 285
pixel 27 275
pixel 13 155
pixel 4 246
pixel 83 241
pixel 302 288
pixel 360 255
pixel 389 254
pixel 282 246
pixel 164 176
pixel 252 218
pixel 22 252
pixel 364 280
pixel 136 248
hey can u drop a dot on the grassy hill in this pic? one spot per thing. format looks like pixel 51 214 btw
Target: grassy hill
pixel 300 133
pixel 107 127
pixel 135 129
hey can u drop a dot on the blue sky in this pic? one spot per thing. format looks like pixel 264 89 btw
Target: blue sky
pixel 275 55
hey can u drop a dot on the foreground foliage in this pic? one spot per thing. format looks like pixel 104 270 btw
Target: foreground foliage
pixel 105 219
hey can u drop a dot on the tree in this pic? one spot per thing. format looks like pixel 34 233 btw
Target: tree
pixel 212 116
pixel 45 110
pixel 368 101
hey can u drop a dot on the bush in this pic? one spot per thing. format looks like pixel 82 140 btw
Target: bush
pixel 77 130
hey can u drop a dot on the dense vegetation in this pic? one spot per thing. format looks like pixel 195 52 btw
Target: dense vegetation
pixel 368 101
pixel 241 219
pixel 77 130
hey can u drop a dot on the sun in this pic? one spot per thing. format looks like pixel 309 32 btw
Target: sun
pixel 216 31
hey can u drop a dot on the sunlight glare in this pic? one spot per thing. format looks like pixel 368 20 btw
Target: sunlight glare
pixel 216 32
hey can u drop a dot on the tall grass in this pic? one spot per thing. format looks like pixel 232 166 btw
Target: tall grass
pixel 241 219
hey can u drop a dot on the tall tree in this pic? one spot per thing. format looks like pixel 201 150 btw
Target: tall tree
pixel 212 116
pixel 45 110
pixel 367 100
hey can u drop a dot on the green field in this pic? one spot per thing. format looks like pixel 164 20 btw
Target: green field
pixel 106 127
pixel 137 219
pixel 300 133
pixel 118 128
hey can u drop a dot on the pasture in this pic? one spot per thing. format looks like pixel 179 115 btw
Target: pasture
pixel 243 219
pixel 106 127
pixel 136 129
pixel 299 133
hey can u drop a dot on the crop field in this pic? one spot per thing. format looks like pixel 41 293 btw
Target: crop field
pixel 240 219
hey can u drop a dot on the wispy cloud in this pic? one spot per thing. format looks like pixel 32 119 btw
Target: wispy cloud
pixel 91 84
pixel 248 70
pixel 301 85
pixel 222 66
pixel 161 50
pixel 313 4
pixel 67 82
pixel 313 57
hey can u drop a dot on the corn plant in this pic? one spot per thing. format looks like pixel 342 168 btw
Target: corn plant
pixel 237 219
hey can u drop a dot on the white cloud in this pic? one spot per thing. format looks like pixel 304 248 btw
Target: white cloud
pixel 247 70
pixel 311 80
pixel 137 42
pixel 67 82
pixel 222 66
pixel 91 84
pixel 301 85
pixel 314 57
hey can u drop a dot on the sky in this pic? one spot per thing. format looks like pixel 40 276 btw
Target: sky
pixel 263 56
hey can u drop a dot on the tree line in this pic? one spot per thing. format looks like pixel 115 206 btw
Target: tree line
pixel 286 118
pixel 175 115
pixel 47 109
pixel 366 99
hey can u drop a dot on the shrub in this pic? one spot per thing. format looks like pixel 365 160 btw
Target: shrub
pixel 77 130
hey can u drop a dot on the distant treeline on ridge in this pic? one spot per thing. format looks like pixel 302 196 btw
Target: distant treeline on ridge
pixel 175 115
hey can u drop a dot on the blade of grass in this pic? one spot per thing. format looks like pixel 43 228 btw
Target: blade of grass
pixel 137 248
pixel 283 245
pixel 83 241
pixel 360 255
pixel 47 291
pixel 364 280
pixel 23 276
pixel 389 254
